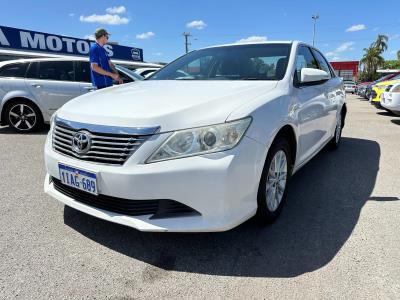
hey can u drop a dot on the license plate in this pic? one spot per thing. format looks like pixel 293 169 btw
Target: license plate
pixel 79 179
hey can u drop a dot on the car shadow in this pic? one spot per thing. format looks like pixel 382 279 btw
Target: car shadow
pixel 395 121
pixel 385 113
pixel 323 207
pixel 8 130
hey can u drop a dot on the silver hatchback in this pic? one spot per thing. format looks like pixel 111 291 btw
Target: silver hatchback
pixel 31 90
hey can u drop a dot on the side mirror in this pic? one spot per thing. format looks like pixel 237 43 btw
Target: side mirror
pixel 313 75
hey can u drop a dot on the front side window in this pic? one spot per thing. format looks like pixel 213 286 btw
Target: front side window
pixel 56 70
pixel 323 65
pixel 305 59
pixel 17 70
pixel 239 62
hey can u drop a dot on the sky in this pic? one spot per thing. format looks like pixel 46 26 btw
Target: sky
pixel 343 29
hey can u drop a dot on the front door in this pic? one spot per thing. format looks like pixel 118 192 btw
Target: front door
pixel 313 108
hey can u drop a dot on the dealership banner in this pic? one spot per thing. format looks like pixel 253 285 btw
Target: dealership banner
pixel 26 40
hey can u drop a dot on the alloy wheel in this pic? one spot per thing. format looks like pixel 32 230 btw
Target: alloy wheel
pixel 22 117
pixel 338 129
pixel 276 180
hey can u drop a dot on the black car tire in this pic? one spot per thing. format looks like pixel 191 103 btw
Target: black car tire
pixel 264 214
pixel 29 119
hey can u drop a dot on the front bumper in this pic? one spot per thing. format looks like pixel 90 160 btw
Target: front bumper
pixel 222 186
pixel 376 95
pixel 391 101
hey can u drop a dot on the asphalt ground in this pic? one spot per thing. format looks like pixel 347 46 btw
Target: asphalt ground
pixel 338 235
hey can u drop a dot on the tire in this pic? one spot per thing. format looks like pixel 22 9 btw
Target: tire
pixel 269 205
pixel 334 143
pixel 23 116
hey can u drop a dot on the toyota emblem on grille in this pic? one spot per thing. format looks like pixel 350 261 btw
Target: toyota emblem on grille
pixel 81 142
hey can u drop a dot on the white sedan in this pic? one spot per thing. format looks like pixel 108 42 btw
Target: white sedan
pixel 391 99
pixel 209 141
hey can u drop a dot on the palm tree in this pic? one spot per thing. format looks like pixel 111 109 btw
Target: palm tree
pixel 372 59
pixel 398 55
pixel 381 43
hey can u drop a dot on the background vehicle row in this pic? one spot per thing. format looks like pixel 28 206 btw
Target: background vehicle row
pixel 32 90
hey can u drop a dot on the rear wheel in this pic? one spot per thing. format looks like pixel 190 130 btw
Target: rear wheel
pixel 272 191
pixel 23 116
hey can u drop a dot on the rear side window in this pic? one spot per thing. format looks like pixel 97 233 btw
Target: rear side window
pixel 83 71
pixel 32 71
pixel 14 70
pixel 305 59
pixel 323 65
pixel 52 70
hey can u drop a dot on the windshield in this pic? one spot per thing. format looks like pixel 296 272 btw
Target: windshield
pixel 238 62
pixel 130 73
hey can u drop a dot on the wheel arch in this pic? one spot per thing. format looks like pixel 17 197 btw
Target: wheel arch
pixel 288 132
pixel 7 102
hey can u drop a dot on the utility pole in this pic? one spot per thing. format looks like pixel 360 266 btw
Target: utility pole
pixel 186 35
pixel 315 18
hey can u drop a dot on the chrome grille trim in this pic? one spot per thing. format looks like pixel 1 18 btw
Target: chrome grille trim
pixel 106 147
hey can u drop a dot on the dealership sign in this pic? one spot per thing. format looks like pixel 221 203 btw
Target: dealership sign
pixel 20 39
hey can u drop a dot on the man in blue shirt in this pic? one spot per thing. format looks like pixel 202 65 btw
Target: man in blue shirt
pixel 102 69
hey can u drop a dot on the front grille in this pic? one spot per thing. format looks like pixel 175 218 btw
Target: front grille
pixel 162 208
pixel 104 148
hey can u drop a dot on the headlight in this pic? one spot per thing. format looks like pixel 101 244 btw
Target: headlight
pixel 201 140
pixel 52 118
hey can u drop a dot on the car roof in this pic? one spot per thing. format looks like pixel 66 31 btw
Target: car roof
pixel 249 43
pixel 6 62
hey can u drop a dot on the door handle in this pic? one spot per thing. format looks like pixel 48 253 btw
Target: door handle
pixel 35 85
pixel 89 88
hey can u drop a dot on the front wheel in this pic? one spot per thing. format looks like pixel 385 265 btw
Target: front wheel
pixel 335 141
pixel 272 191
pixel 23 116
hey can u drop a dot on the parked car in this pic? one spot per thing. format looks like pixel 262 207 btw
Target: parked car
pixel 368 90
pixel 146 72
pixel 390 99
pixel 206 143
pixel 349 86
pixel 31 90
pixel 361 88
pixel 379 88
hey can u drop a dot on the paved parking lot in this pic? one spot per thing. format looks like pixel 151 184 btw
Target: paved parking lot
pixel 338 236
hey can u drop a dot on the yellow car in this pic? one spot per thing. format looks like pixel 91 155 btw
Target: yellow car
pixel 379 88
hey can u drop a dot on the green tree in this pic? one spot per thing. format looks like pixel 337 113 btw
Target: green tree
pixel 381 43
pixel 372 58
pixel 391 64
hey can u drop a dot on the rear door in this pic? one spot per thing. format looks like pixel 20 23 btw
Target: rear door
pixel 52 83
pixel 83 76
